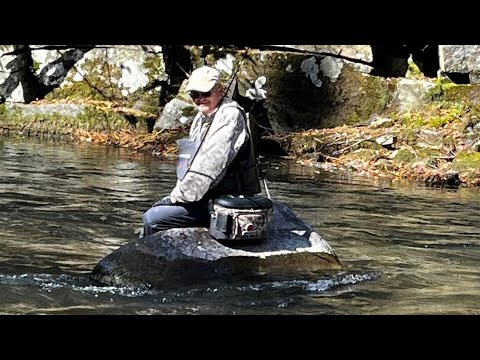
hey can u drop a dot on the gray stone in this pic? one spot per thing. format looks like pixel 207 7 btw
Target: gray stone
pixel 461 59
pixel 381 123
pixel 130 69
pixel 173 115
pixel 453 58
pixel 304 91
pixel 431 137
pixel 355 52
pixel 412 94
pixel 187 256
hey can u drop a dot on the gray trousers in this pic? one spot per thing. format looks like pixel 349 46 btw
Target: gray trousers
pixel 180 215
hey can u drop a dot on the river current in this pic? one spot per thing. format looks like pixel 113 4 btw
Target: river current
pixel 63 207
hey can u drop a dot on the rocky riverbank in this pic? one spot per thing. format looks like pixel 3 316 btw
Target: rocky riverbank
pixel 437 144
pixel 399 113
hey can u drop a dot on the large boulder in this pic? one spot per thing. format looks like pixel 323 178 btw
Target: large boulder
pixel 304 91
pixel 463 59
pixel 122 73
pixel 186 256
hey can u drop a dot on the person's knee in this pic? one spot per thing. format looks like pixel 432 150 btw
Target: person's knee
pixel 146 217
pixel 151 216
pixel 163 214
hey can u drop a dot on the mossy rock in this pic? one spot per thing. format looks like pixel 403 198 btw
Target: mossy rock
pixel 469 94
pixel 408 136
pixel 101 83
pixel 404 156
pixel 466 160
pixel 432 115
pixel 91 119
pixel 296 101
pixel 361 95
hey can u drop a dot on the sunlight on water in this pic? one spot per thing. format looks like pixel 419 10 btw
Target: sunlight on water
pixel 405 250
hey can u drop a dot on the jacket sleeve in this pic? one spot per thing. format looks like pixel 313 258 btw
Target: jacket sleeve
pixel 224 139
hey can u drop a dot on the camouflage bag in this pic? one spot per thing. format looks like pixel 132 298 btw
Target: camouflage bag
pixel 241 218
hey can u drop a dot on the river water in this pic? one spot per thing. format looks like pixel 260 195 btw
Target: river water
pixel 63 207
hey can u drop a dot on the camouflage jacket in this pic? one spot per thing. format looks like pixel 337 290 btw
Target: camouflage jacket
pixel 224 138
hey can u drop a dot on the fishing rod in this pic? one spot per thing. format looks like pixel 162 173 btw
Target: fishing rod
pixel 257 164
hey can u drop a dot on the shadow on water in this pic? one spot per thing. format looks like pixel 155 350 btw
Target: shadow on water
pixel 405 250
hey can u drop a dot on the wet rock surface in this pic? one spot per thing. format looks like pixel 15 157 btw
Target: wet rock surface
pixel 190 255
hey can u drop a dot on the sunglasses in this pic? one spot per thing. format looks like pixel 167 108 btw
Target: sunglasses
pixel 196 94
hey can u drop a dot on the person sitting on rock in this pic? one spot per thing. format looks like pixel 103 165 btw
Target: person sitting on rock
pixel 217 159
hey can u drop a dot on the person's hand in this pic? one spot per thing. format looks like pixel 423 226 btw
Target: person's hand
pixel 164 201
